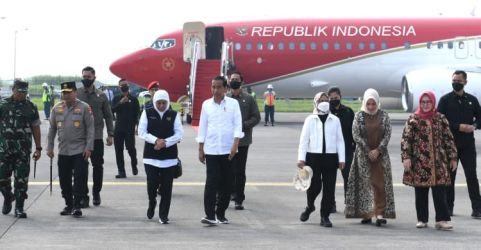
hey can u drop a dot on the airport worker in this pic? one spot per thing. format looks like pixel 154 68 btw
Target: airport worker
pixel 100 106
pixel 464 115
pixel 126 108
pixel 46 99
pixel 161 129
pixel 429 154
pixel 152 88
pixel 346 116
pixel 52 96
pixel 220 129
pixel 370 189
pixel 269 104
pixel 250 118
pixel 321 146
pixel 73 120
pixel 250 92
pixel 19 120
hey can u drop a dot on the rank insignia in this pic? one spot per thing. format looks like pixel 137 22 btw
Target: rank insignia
pixel 76 124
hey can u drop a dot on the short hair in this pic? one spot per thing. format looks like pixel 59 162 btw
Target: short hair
pixel 121 80
pixel 334 89
pixel 221 78
pixel 88 68
pixel 240 75
pixel 461 72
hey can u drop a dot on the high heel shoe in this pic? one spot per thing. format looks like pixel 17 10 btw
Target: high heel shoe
pixel 366 221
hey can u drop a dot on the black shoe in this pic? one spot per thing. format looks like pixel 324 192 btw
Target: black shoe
pixel 208 221
pixel 135 170
pixel 84 202
pixel 163 220
pixel 476 214
pixel 366 221
pixel 151 209
pixel 380 222
pixel 325 222
pixel 121 176
pixel 305 215
pixel 96 199
pixel 239 206
pixel 222 220
pixel 265 125
pixel 333 209
pixel 20 213
pixel 272 124
pixel 7 203
pixel 66 211
pixel 77 212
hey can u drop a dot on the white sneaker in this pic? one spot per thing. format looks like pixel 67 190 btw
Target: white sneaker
pixel 443 225
pixel 421 224
pixel 207 221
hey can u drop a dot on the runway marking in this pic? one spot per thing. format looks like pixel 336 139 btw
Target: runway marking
pixel 196 184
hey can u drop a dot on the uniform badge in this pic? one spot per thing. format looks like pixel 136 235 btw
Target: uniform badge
pixel 60 109
pixel 59 124
pixel 169 119
pixel 76 124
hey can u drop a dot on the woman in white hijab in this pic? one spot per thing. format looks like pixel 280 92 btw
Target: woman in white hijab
pixel 321 146
pixel 161 129
pixel 370 191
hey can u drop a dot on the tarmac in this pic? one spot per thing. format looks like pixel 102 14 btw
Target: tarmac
pixel 270 219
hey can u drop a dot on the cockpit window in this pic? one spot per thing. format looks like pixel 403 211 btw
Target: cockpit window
pixel 163 44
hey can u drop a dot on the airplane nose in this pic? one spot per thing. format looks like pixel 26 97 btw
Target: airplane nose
pixel 131 67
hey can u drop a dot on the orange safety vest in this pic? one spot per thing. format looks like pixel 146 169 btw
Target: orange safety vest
pixel 270 98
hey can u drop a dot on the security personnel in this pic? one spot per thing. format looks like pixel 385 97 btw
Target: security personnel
pixel 464 115
pixel 19 120
pixel 100 105
pixel 152 88
pixel 127 109
pixel 74 122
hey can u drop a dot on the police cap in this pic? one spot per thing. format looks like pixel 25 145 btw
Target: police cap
pixel 68 86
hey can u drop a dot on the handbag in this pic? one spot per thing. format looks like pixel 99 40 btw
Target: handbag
pixel 178 169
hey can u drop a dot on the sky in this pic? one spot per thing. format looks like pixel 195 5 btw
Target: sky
pixel 60 37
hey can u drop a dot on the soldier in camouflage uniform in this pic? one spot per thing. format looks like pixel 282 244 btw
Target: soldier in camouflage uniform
pixel 19 120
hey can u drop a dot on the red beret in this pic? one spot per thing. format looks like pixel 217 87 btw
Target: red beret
pixel 153 84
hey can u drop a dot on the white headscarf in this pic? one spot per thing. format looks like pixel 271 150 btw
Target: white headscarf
pixel 370 94
pixel 316 98
pixel 161 95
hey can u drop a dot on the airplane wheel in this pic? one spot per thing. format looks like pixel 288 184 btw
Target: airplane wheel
pixel 188 119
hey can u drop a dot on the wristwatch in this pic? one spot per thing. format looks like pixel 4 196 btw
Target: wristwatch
pixel 38 148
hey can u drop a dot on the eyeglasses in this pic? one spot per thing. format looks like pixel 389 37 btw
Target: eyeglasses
pixel 426 102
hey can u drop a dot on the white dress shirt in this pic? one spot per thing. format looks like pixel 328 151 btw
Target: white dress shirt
pixel 311 137
pixel 219 125
pixel 169 141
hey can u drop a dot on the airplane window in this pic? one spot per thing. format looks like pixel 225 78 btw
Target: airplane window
pixel 362 45
pixel 302 46
pixel 440 45
pixel 325 46
pixel 429 44
pixel 407 45
pixel 337 46
pixel 450 45
pixel 292 46
pixel 238 46
pixel 259 46
pixel 349 45
pixel 280 46
pixel 270 46
pixel 461 45
pixel 383 45
pixel 372 45
pixel 249 46
pixel 313 46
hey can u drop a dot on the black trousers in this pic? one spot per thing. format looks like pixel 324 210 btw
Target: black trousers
pixel 345 172
pixel 467 156
pixel 269 113
pixel 121 138
pixel 78 166
pixel 217 185
pixel 324 167
pixel 162 179
pixel 239 167
pixel 97 158
pixel 440 204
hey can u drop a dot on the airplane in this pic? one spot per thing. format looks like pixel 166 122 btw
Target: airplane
pixel 399 58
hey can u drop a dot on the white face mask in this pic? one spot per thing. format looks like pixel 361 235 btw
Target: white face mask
pixel 323 108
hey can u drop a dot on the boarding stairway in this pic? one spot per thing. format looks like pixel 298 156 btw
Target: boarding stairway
pixel 206 70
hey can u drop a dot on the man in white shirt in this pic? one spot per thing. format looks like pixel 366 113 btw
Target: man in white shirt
pixel 220 129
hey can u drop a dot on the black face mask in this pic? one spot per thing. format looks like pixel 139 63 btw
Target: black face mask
pixel 235 84
pixel 457 86
pixel 334 103
pixel 124 88
pixel 87 82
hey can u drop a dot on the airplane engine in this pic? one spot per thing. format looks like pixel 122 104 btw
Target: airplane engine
pixel 436 80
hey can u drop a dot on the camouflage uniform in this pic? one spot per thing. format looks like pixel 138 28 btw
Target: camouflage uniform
pixel 16 122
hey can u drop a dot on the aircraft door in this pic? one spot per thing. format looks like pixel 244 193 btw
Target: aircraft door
pixel 193 31
pixel 214 37
pixel 461 49
pixel 477 48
